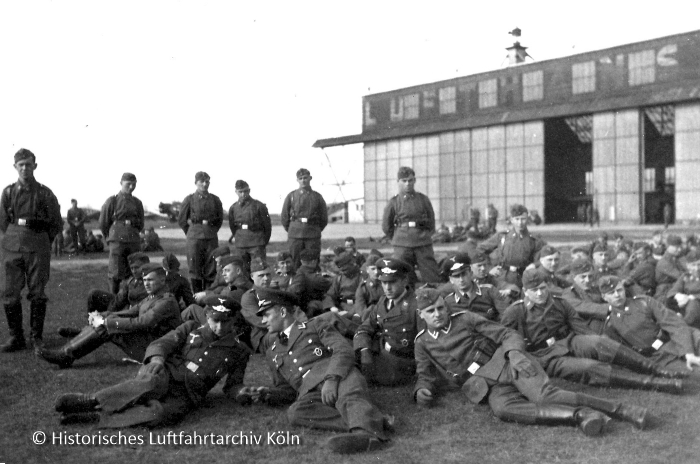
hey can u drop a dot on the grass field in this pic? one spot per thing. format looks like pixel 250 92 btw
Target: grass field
pixel 453 431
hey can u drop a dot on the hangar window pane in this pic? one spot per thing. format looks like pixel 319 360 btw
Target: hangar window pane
pixel 448 100
pixel 670 173
pixel 429 99
pixel 411 105
pixel 583 77
pixel 641 66
pixel 650 179
pixel 589 183
pixel 532 86
pixel 488 93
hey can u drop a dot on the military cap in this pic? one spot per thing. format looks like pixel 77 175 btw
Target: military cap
pixel 600 248
pixel 674 240
pixel 138 257
pixel 241 184
pixel 581 249
pixel 73 200
pixel 517 210
pixel 692 257
pixel 231 259
pixel 608 283
pixel 283 255
pixel 376 252
pixel 405 171
pixel 426 296
pixel 473 234
pixel 303 172
pixel 170 262
pixel 372 260
pixel 337 250
pixel 258 264
pixel 617 235
pixel 548 250
pixel 478 257
pixel 129 177
pixel 23 154
pixel 201 175
pixel 580 266
pixel 603 234
pixel 392 269
pixel 308 255
pixel 220 308
pixel 220 251
pixel 152 267
pixel 641 245
pixel 533 278
pixel 269 297
pixel 456 264
pixel 343 259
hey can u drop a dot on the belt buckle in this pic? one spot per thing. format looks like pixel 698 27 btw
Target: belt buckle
pixel 304 220
pixel 127 222
pixel 411 223
pixel 657 344
pixel 473 368
pixel 349 301
pixel 205 222
pixel 244 226
pixel 21 222
pixel 513 269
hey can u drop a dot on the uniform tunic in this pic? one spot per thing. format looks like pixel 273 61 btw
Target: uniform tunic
pixel 484 301
pixel 76 221
pixel 517 251
pixel 304 216
pixel 689 285
pixel 250 224
pixel 180 288
pixel 121 221
pixel 131 292
pixel 195 360
pixel 644 275
pixel 589 305
pixel 668 270
pixel 314 352
pixel 201 216
pixel 27 248
pixel 368 293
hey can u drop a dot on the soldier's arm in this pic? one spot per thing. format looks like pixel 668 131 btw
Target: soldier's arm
pixel 365 332
pixel 425 369
pixel 163 310
pixel 388 218
pixel 4 209
pixel 431 215
pixel 106 214
pixel 577 325
pixel 55 221
pixel 140 219
pixel 509 338
pixel 678 287
pixel 323 211
pixel 360 301
pixel 343 357
pixel 490 244
pixel 232 220
pixel 585 308
pixel 184 214
pixel 171 342
pixel 236 373
pixel 218 220
pixel 673 324
pixel 184 293
pixel 666 269
pixel 121 299
pixel 285 216
pixel 266 222
pixel 510 316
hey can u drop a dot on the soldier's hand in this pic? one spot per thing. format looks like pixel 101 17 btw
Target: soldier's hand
pixel 531 266
pixel 249 395
pixel 692 360
pixel 155 365
pixel 521 364
pixel 682 299
pixel 97 320
pixel 424 397
pixel 495 271
pixel 329 392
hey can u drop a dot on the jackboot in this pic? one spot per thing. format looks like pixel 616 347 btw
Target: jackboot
pixel 37 315
pixel 591 423
pixel 627 357
pixel 626 412
pixel 114 286
pixel 68 332
pixel 80 418
pixel 87 341
pixel 626 379
pixel 76 402
pixel 14 324
pixel 197 285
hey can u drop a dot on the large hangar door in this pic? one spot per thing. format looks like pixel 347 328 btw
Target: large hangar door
pixel 568 163
pixel 659 180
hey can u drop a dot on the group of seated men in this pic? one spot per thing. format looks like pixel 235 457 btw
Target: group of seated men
pixel 495 333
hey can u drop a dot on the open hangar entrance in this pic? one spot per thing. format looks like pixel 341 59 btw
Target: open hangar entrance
pixel 568 166
pixel 659 177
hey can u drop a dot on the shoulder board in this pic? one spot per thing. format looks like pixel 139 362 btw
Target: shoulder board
pixel 168 295
pixel 418 335
pixel 458 313
pixel 558 297
pixel 301 326
pixel 639 297
pixel 449 294
pixel 484 285
pixel 518 302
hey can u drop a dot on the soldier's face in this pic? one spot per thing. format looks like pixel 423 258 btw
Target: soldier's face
pixel 304 181
pixel 273 318
pixel 394 289
pixel 286 266
pixel 153 282
pixel 435 316
pixel 539 294
pixel 262 278
pixel 584 280
pixel 243 194
pixel 128 186
pixel 694 268
pixel 372 272
pixel 579 255
pixel 551 262
pixel 221 328
pixel 479 270
pixel 202 185
pixel 25 169
pixel 599 258
pixel 519 222
pixel 615 297
pixel 350 246
pixel 407 184
pixel 230 272
pixel 462 282
pixel 673 250
pixel 136 269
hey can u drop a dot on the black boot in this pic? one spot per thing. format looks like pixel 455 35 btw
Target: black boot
pixel 86 342
pixel 80 418
pixel 358 441
pixel 625 379
pixel 14 324
pixel 627 357
pixel 76 402
pixel 36 323
pixel 626 412
pixel 591 423
pixel 114 286
pixel 197 285
pixel 68 332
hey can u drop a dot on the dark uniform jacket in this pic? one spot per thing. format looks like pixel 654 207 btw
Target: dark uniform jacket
pixel 38 206
pixel 249 308
pixel 195 356
pixel 668 270
pixel 687 284
pixel 198 209
pixel 368 293
pixel 548 329
pixel 644 275
pixel 116 212
pixel 76 214
pixel 304 214
pixel 314 351
pixel 250 223
pixel 131 292
pixel 180 288
pixel 237 288
pixel 155 314
pixel 590 306
pixel 392 330
pixel 469 346
pixel 341 293
pixel 647 326
pixel 485 301
pixel 409 220
pixel 517 251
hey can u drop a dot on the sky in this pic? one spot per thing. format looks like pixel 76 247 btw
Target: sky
pixel 242 90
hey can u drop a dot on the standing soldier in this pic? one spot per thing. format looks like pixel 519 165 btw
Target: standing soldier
pixel 304 216
pixel 201 216
pixel 121 221
pixel 250 223
pixel 30 218
pixel 410 222
pixel 76 221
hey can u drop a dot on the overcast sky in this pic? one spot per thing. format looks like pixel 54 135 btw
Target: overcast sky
pixel 164 89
